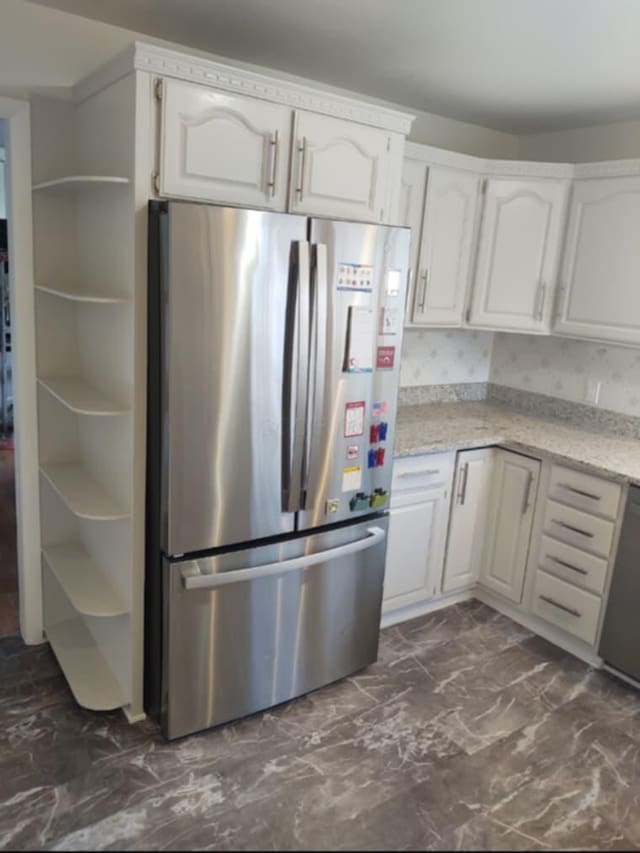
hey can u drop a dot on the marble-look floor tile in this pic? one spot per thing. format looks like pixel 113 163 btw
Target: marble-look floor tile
pixel 468 733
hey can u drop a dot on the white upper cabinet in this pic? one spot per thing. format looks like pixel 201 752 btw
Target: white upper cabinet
pixel 445 248
pixel 600 281
pixel 339 168
pixel 518 250
pixel 222 147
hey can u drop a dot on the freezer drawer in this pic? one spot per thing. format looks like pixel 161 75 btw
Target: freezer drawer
pixel 250 629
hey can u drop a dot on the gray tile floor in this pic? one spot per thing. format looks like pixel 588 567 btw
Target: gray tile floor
pixel 468 733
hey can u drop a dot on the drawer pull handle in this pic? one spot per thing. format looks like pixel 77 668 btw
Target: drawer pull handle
pixel 567 565
pixel 427 472
pixel 573 529
pixel 566 609
pixel 580 492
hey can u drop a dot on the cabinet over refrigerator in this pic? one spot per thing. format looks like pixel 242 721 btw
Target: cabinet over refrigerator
pixel 274 356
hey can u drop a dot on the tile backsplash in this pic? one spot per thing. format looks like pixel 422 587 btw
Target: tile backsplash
pixel 445 356
pixel 560 367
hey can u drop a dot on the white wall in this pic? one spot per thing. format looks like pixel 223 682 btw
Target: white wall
pixel 584 144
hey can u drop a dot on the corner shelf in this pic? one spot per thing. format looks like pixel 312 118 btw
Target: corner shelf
pixel 82 582
pixel 73 183
pixel 92 682
pixel 78 396
pixel 77 296
pixel 84 497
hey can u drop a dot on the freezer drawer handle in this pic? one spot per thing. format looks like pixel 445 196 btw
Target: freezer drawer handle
pixel 199 581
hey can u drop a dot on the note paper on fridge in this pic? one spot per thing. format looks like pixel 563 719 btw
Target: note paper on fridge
pixel 360 337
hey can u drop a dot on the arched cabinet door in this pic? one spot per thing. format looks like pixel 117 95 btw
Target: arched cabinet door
pixel 339 168
pixel 222 148
pixel 600 281
pixel 442 270
pixel 518 253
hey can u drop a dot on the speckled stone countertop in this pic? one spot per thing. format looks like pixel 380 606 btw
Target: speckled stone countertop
pixel 434 427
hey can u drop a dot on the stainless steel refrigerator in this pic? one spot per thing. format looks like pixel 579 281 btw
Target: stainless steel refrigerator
pixel 274 356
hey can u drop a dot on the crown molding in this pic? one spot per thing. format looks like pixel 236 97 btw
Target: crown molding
pixel 140 56
pixel 528 169
pixel 607 169
pixel 443 157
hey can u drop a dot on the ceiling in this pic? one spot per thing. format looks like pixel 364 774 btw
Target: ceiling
pixel 515 65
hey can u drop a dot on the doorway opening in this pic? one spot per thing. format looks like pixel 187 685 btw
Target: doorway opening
pixel 9 610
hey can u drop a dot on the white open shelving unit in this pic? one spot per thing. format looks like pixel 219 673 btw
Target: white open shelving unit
pixel 86 301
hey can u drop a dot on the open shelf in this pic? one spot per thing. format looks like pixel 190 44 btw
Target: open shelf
pixel 82 581
pixel 84 497
pixel 81 398
pixel 78 296
pixel 92 682
pixel 73 183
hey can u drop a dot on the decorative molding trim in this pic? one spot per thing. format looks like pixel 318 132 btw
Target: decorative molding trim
pixel 607 169
pixel 442 157
pixel 528 169
pixel 141 56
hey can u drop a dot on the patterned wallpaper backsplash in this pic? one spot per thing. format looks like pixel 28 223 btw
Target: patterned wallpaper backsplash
pixel 443 356
pixel 560 368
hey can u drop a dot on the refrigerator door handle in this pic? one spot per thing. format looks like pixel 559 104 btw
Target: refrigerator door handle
pixel 317 367
pixel 191 580
pixel 296 376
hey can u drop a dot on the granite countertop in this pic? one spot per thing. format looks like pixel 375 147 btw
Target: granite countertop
pixel 433 427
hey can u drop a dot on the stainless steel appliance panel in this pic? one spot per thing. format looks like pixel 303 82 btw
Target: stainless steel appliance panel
pixel 250 629
pixel 620 638
pixel 224 339
pixel 353 266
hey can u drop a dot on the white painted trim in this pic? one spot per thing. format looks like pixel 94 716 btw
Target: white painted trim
pixel 403 614
pixel 607 169
pixel 479 165
pixel 183 66
pixel 443 157
pixel 528 169
pixel 20 226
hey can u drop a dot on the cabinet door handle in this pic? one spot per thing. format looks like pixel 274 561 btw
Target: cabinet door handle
pixel 580 492
pixel 564 607
pixel 567 565
pixel 302 150
pixel 464 477
pixel 541 298
pixel 425 285
pixel 574 529
pixel 274 143
pixel 527 494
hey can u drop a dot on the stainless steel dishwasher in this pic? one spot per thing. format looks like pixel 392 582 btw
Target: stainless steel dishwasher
pixel 620 640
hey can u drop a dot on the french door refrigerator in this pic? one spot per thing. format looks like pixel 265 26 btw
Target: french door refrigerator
pixel 274 350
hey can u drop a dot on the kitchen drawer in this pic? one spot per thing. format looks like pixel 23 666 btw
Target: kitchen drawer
pixel 591 494
pixel 578 528
pixel 411 473
pixel 564 605
pixel 572 565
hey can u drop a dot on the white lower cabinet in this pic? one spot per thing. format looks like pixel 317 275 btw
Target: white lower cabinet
pixel 467 521
pixel 512 497
pixel 417 530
